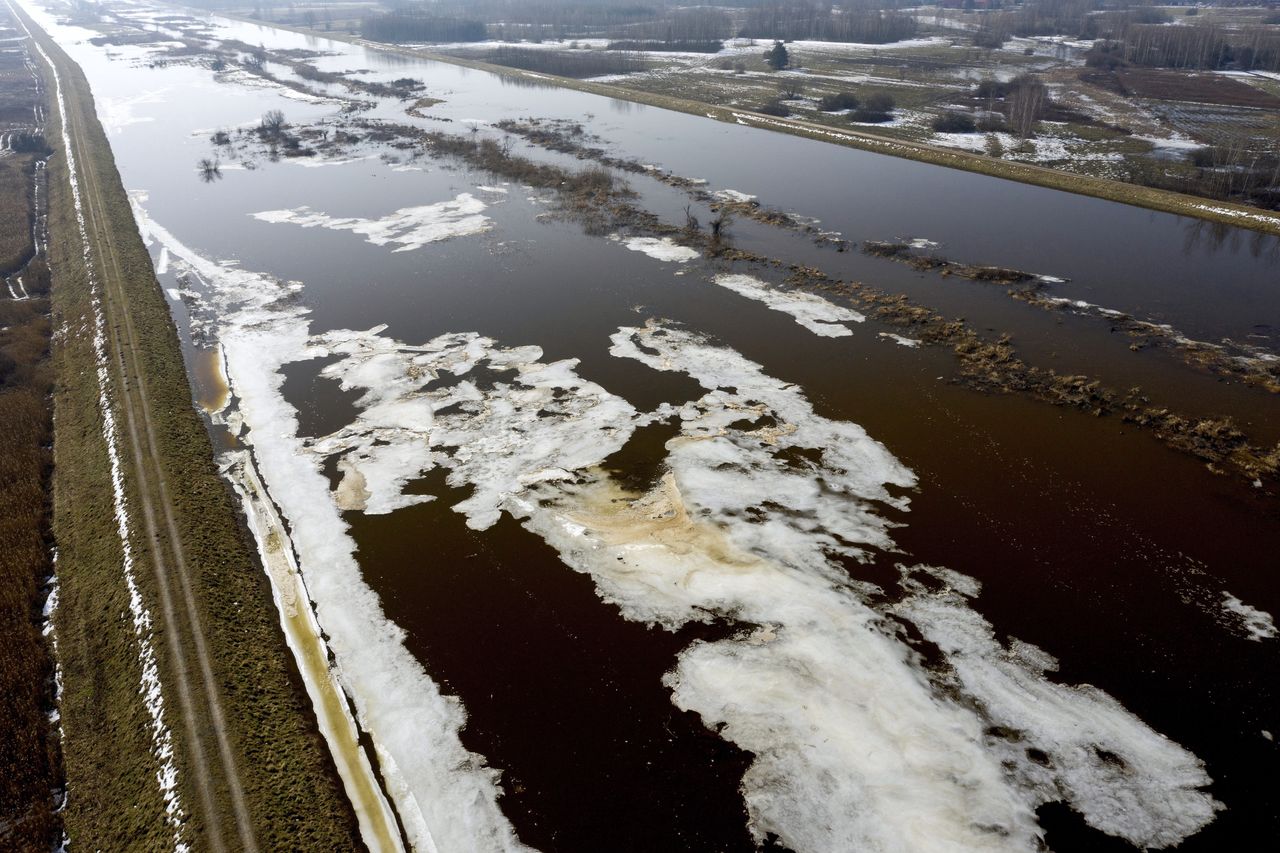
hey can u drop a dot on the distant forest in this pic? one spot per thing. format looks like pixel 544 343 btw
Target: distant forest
pixel 1142 34
pixel 1129 32
pixel 635 23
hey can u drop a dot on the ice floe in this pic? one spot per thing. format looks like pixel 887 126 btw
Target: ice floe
pixel 553 422
pixel 1257 625
pixel 408 228
pixel 813 312
pixel 1073 743
pixel 662 249
pixel 900 340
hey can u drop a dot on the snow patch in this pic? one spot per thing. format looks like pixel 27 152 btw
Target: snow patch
pixel 321 162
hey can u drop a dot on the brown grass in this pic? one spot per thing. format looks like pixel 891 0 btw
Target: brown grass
pixel 15 212
pixel 28 752
pixel 30 771
pixel 1205 88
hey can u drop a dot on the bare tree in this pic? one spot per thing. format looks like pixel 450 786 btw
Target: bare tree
pixel 1027 100
pixel 691 223
pixel 257 59
pixel 272 122
pixel 720 226
pixel 210 170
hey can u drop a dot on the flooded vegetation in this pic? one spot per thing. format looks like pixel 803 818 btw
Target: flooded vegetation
pixel 627 480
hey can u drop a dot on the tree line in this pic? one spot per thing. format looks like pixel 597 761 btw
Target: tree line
pixel 579 64
pixel 865 21
pixel 413 25
pixel 1200 47
pixel 808 19
pixel 1137 33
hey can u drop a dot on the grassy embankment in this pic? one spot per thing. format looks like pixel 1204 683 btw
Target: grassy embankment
pixel 1154 199
pixel 291 789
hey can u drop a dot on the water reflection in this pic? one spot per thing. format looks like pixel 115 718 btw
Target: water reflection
pixel 522 82
pixel 1210 238
pixel 209 170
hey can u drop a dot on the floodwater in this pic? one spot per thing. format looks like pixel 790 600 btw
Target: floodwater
pixel 611 556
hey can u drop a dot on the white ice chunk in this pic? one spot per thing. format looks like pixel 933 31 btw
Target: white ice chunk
pixel 1257 625
pixel 813 312
pixel 409 227
pixel 662 249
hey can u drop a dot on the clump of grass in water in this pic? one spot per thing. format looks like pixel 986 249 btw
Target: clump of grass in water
pixel 994 366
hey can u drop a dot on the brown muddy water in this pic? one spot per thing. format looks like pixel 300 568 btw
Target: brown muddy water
pixel 618 552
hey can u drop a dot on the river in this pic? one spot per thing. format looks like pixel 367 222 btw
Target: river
pixel 618 547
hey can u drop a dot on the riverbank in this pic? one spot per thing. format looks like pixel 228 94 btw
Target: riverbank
pixel 1166 201
pixel 186 721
